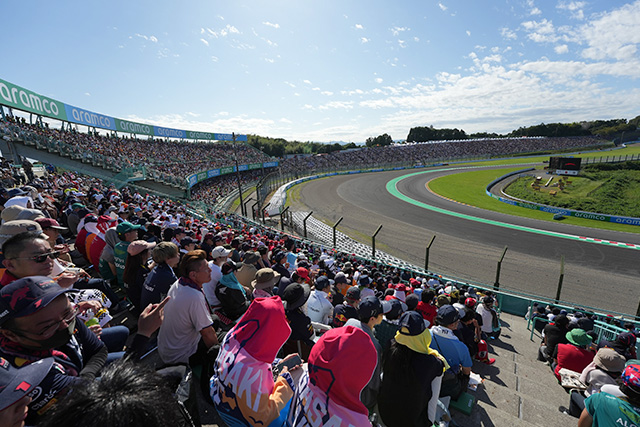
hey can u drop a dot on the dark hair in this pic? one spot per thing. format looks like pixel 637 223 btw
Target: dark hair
pixel 428 296
pixel 127 394
pixel 190 260
pixel 16 244
pixel 561 320
pixel 132 265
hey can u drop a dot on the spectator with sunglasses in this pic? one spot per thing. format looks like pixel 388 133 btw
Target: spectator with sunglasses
pixel 37 321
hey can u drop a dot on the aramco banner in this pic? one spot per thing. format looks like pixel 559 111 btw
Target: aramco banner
pixel 22 99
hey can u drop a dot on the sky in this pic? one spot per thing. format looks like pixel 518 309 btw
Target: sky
pixel 330 70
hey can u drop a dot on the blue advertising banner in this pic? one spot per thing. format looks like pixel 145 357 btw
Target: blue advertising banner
pixel 89 118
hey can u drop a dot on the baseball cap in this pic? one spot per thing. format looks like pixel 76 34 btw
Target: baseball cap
pixel 126 226
pixel 353 293
pixel 138 246
pixel 392 308
pixel 49 223
pixel 447 314
pixel 26 296
pixel 18 382
pixel 340 278
pixel 470 302
pixel 303 272
pixel 369 307
pixel 411 323
pixel 322 282
pixel 220 251
pixel 11 228
pixel 631 377
pixel 77 206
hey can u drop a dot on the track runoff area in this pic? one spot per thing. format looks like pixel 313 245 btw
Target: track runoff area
pixel 600 266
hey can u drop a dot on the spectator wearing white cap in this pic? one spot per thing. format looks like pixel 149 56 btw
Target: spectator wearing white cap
pixel 219 255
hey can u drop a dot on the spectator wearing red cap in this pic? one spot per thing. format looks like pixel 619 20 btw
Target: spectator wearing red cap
pixel 340 365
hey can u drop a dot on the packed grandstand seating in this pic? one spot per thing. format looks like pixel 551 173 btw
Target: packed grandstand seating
pixel 252 296
pixel 175 158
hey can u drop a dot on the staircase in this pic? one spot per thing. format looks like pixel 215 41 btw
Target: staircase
pixel 518 390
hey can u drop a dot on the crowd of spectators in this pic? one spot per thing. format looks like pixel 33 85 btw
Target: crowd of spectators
pixel 173 157
pixel 601 375
pixel 428 152
pixel 214 189
pixel 279 330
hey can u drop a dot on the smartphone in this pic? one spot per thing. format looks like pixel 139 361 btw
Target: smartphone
pixel 290 363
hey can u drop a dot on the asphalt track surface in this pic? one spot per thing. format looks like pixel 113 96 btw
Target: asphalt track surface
pixel 595 275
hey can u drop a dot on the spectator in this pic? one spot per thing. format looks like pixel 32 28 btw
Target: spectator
pixel 264 282
pixel 624 344
pixel 38 321
pixel 340 365
pixel 219 255
pixel 412 376
pixel 370 315
pixel 319 307
pixel 247 272
pixel 348 309
pixel 603 409
pixel 243 388
pixel 231 294
pixel 302 334
pixel 127 394
pixel 426 306
pixel 553 334
pixel 606 368
pixel 573 355
pixel 187 332
pixel 339 288
pixel 107 266
pixel 136 270
pixel 156 286
pixel 387 329
pixel 456 378
pixel 127 233
pixel 490 322
pixel 16 385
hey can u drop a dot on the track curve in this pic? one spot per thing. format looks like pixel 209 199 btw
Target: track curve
pixel 595 275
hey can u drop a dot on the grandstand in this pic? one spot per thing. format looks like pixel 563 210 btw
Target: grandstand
pixel 180 184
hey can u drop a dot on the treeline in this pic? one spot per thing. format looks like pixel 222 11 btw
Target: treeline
pixel 607 129
pixel 279 147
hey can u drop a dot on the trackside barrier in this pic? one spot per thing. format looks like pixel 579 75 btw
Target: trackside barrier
pixel 514 201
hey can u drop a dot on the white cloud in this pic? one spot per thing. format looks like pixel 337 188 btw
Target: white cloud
pixel 214 58
pixel 153 39
pixel 87 94
pixel 342 105
pixel 269 24
pixel 468 33
pixel 359 27
pixel 205 42
pixel 613 35
pixel 285 120
pixel 508 34
pixel 326 93
pixel 442 7
pixel 307 82
pixel 535 11
pixel 540 31
pixel 378 80
pixel 397 30
pixel 560 49
pixel 574 7
pixel 364 40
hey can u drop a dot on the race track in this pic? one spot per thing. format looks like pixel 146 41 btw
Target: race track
pixel 595 275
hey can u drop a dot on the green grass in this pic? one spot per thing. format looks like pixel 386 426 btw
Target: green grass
pixel 246 194
pixel 469 188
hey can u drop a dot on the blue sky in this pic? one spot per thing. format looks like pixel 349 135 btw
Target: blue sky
pixel 330 70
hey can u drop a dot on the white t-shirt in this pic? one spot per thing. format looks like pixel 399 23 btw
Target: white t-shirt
pixel 209 288
pixel 319 309
pixel 185 315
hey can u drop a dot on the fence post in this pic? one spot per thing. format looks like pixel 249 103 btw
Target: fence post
pixel 373 242
pixel 304 223
pixel 497 283
pixel 264 208
pixel 282 217
pixel 253 210
pixel 426 255
pixel 561 279
pixel 246 211
pixel 334 231
pixel 638 311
